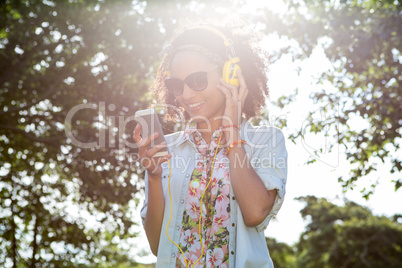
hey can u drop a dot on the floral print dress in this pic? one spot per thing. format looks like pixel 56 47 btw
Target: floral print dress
pixel 215 220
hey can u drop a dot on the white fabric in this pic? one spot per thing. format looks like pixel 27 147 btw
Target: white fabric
pixel 269 159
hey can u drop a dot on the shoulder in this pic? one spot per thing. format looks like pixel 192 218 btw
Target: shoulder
pixel 261 134
pixel 174 136
pixel 174 139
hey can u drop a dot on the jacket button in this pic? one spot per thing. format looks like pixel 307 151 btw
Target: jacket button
pixel 188 175
pixel 182 201
pixel 173 255
pixel 232 252
pixel 177 228
pixel 233 224
pixel 234 198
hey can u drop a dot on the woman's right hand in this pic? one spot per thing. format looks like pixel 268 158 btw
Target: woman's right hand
pixel 146 155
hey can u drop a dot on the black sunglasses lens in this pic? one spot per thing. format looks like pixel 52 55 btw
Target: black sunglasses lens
pixel 197 81
pixel 174 85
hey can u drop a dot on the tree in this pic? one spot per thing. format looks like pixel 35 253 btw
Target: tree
pixel 282 255
pixel 341 236
pixel 72 75
pixel 347 236
pixel 362 39
pixel 54 56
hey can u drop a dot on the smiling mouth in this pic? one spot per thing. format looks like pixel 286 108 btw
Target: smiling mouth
pixel 196 104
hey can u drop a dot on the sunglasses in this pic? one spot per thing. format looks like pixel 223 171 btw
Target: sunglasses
pixel 197 81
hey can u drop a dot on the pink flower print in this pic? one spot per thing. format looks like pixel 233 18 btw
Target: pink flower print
pixel 215 258
pixel 225 188
pixel 190 259
pixel 194 241
pixel 193 191
pixel 193 260
pixel 221 165
pixel 204 179
pixel 194 184
pixel 193 208
pixel 186 255
pixel 226 173
pixel 221 219
pixel 214 186
pixel 224 194
pixel 204 214
pixel 221 206
pixel 200 263
pixel 191 240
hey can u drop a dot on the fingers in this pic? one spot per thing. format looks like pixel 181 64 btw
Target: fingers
pixel 226 92
pixel 141 142
pixel 237 93
pixel 234 93
pixel 243 90
pixel 242 81
pixel 152 163
pixel 150 139
pixel 136 134
pixel 152 151
pixel 147 155
pixel 233 90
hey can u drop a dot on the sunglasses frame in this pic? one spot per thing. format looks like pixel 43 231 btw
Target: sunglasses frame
pixel 185 82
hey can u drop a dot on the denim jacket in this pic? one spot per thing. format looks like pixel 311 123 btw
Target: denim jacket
pixel 247 245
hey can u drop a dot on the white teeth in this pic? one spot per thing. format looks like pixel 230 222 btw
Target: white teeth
pixel 195 104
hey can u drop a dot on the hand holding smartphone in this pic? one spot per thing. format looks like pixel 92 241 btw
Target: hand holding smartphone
pixel 149 121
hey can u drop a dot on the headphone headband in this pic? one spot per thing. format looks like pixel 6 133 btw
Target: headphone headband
pixel 228 42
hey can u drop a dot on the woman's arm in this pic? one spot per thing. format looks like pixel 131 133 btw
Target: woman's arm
pixel 154 215
pixel 254 200
pixel 156 203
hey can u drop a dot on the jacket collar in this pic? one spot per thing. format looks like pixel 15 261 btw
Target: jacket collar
pixel 191 129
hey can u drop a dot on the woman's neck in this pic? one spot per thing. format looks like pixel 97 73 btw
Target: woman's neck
pixel 207 128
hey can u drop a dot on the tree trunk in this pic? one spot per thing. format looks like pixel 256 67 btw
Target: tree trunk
pixel 14 232
pixel 34 242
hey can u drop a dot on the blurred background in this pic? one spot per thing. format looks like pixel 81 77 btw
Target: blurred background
pixel 73 73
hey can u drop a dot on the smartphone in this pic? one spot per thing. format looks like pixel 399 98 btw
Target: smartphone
pixel 149 124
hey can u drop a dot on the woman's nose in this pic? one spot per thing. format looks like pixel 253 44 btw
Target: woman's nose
pixel 188 93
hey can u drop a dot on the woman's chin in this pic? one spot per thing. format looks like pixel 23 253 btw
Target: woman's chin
pixel 199 118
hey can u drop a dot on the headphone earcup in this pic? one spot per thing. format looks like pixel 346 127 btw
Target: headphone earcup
pixel 229 72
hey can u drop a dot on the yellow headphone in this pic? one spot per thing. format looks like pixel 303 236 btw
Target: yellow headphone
pixel 231 66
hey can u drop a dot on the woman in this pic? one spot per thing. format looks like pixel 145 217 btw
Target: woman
pixel 210 201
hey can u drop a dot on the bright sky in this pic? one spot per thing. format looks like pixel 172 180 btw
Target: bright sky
pixel 318 179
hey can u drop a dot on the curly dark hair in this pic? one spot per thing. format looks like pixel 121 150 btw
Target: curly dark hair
pixel 211 45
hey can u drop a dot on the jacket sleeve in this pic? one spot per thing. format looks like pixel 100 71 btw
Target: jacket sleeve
pixel 269 160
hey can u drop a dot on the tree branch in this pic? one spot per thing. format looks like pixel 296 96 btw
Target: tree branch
pixel 26 134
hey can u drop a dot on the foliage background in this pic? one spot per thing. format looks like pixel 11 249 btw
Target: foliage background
pixel 64 205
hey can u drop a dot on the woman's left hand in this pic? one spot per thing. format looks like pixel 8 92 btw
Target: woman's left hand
pixel 235 97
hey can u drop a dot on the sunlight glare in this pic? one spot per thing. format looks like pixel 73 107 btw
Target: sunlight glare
pixel 251 6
